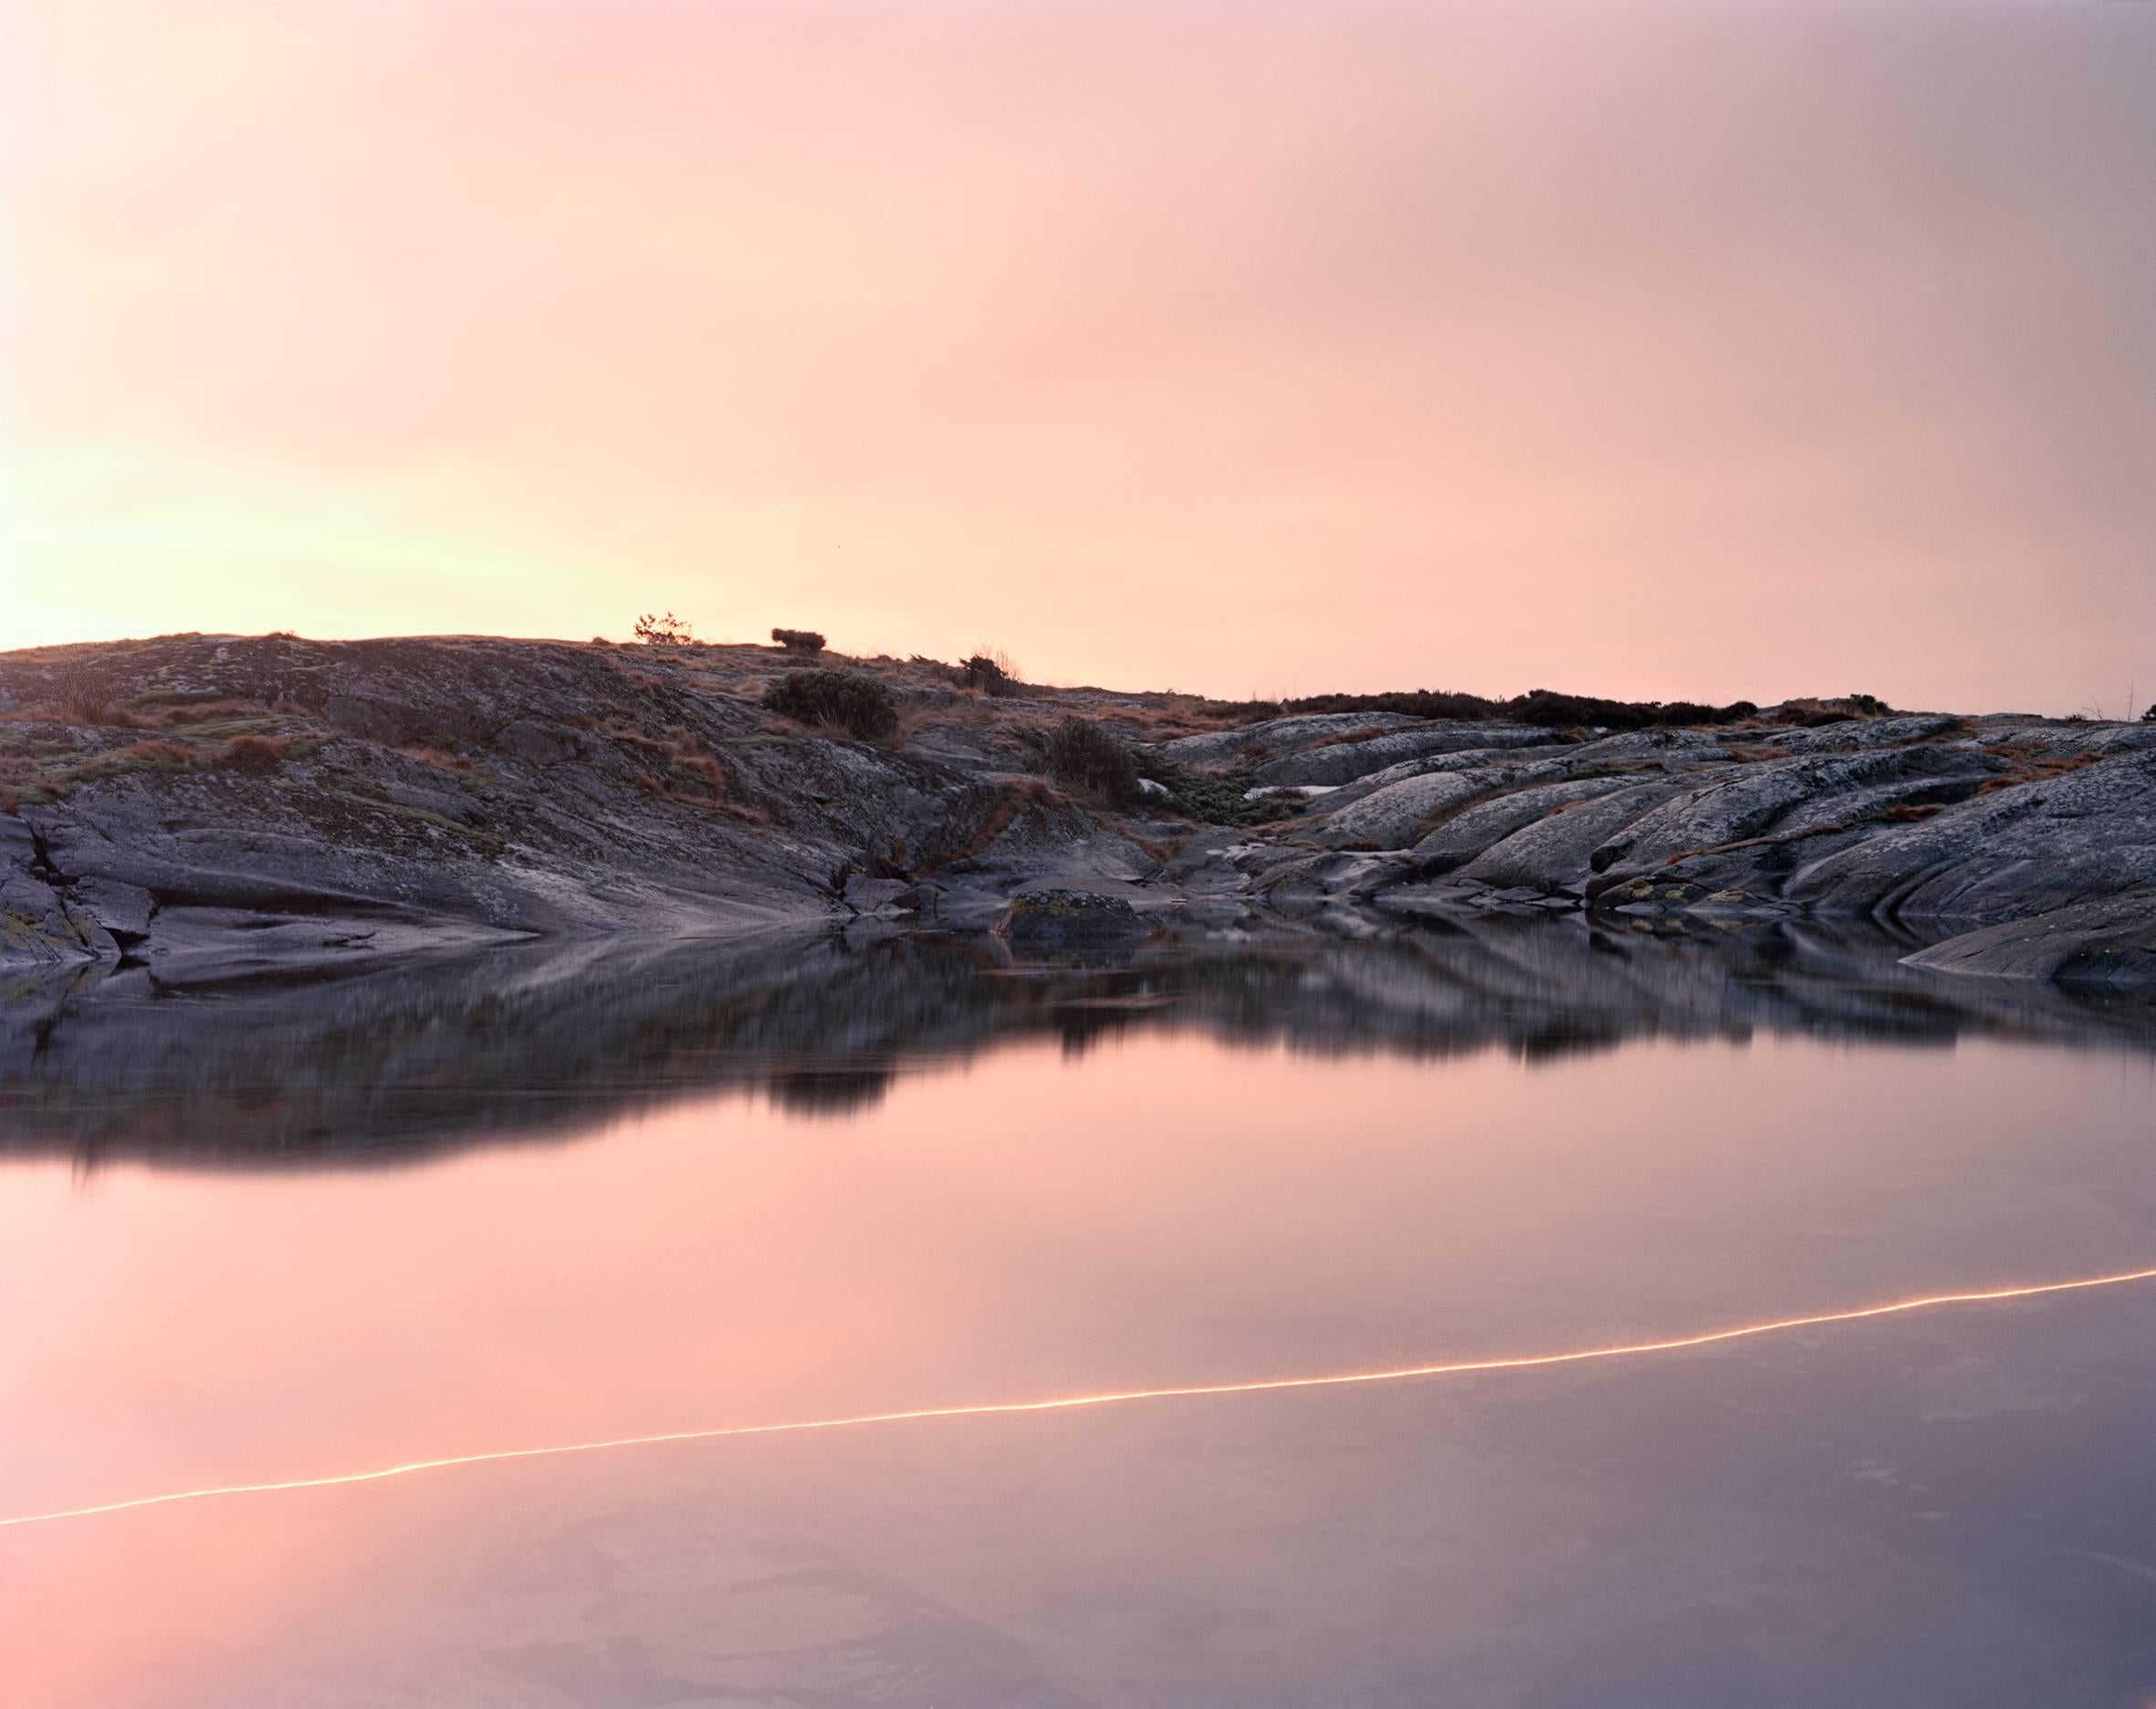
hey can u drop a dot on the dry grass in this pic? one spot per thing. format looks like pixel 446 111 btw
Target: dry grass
pixel 31 778
pixel 2035 771
pixel 80 696
pixel 677 769
pixel 457 765
pixel 19 777
pixel 1185 715
pixel 156 751
pixel 154 755
pixel 1161 852
pixel 156 714
pixel 1341 740
pixel 1019 794
pixel 257 754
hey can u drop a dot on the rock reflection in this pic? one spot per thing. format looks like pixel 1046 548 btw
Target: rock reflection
pixel 539 1042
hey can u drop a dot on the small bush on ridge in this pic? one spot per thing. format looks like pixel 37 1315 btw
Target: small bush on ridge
pixel 992 674
pixel 799 640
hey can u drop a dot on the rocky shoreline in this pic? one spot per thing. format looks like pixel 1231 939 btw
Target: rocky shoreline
pixel 196 809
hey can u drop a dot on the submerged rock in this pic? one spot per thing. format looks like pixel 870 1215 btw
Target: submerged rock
pixel 1070 919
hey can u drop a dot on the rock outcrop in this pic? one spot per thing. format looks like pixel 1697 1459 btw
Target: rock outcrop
pixel 202 808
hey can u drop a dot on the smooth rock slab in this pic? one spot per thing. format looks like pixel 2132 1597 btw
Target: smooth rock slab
pixel 2110 942
pixel 2018 851
pixel 1335 762
pixel 1275 736
pixel 1755 800
pixel 1393 817
pixel 122 909
pixel 1555 853
pixel 1482 826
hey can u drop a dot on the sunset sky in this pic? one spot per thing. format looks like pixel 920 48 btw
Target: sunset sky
pixel 1654 349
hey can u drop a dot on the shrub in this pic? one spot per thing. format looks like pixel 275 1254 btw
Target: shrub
pixel 799 641
pixel 1215 797
pixel 1082 756
pixel 845 701
pixel 81 697
pixel 1240 711
pixel 667 631
pixel 2150 716
pixel 992 672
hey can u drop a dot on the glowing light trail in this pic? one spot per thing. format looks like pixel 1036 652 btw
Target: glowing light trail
pixel 1069 1403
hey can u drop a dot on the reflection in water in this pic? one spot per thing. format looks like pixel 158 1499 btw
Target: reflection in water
pixel 829 1179
pixel 540 1041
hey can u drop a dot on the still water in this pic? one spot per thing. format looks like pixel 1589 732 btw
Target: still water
pixel 257 1236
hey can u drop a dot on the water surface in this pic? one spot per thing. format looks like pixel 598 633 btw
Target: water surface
pixel 249 1236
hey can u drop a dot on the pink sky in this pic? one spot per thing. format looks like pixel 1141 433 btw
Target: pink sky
pixel 1654 349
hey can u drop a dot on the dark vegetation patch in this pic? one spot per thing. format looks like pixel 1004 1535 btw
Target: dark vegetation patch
pixel 1240 711
pixel 806 642
pixel 992 674
pixel 842 701
pixel 667 631
pixel 1084 758
pixel 1810 714
pixel 1551 710
pixel 1542 707
pixel 1213 797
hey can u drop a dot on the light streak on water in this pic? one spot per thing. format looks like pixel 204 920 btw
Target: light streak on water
pixel 1068 1403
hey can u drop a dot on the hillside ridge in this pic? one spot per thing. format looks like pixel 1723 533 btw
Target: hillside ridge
pixel 195 808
